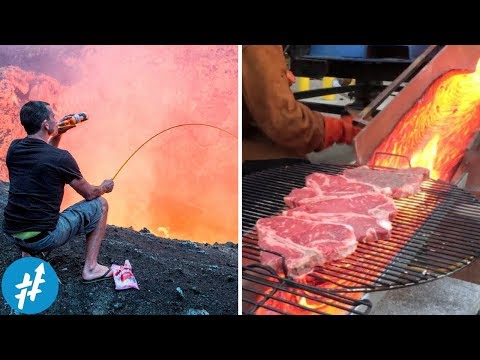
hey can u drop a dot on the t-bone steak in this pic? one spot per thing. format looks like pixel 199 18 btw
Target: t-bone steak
pixel 401 182
pixel 369 214
pixel 323 186
pixel 304 243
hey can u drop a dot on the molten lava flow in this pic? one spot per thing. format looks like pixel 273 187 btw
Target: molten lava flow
pixel 426 158
pixel 435 132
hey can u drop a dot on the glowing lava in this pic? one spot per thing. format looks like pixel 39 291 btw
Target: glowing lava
pixel 162 231
pixel 426 158
pixel 301 302
pixel 436 131
pixel 184 180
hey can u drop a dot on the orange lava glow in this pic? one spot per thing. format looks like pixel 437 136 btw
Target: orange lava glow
pixel 182 184
pixel 301 302
pixel 436 131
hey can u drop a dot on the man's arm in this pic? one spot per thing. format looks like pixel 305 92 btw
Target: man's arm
pixel 289 123
pixel 267 93
pixel 90 192
pixel 55 140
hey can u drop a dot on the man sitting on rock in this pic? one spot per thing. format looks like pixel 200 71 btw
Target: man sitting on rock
pixel 38 171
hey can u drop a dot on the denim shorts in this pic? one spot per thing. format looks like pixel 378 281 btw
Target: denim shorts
pixel 80 218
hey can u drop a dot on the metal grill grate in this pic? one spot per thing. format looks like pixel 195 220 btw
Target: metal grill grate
pixel 435 233
pixel 265 290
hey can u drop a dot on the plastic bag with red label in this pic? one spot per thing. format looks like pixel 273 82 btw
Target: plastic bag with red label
pixel 123 276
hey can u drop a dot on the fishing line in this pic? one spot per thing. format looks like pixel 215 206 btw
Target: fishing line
pixel 161 132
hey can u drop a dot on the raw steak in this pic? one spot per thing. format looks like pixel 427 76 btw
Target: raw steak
pixel 402 182
pixel 304 243
pixel 369 214
pixel 323 187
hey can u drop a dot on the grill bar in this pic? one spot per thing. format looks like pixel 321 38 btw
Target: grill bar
pixel 282 292
pixel 435 233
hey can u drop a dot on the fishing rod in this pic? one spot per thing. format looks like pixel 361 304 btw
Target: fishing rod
pixel 161 132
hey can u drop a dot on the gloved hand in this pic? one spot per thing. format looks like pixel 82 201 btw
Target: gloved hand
pixel 291 78
pixel 339 130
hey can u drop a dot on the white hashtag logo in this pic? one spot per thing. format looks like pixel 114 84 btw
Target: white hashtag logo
pixel 39 271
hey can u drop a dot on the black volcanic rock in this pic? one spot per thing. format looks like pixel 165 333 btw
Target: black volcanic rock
pixel 159 265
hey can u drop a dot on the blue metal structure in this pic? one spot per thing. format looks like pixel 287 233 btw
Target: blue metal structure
pixel 370 65
pixel 367 52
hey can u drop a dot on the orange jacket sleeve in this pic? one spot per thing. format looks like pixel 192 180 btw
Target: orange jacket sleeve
pixel 270 101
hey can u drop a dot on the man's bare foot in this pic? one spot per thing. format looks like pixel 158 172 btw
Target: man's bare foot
pixel 98 271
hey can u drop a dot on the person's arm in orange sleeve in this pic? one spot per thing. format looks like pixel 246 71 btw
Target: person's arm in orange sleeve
pixel 286 121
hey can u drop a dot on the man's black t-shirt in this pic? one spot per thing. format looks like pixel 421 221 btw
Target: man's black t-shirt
pixel 38 173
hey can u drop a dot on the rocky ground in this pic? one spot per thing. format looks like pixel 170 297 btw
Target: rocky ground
pixel 175 277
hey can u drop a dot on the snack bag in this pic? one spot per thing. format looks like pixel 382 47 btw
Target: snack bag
pixel 123 277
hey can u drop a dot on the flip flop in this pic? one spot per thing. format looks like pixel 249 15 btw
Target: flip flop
pixel 101 278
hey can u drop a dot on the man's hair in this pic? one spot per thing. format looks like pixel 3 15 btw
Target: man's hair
pixel 32 115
